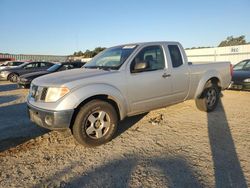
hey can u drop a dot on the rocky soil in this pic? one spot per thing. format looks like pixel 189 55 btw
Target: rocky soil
pixel 185 148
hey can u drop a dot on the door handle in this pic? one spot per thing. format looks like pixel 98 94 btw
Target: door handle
pixel 165 75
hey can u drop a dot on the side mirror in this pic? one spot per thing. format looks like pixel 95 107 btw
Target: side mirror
pixel 140 66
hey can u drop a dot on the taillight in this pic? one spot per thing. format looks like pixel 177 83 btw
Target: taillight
pixel 231 70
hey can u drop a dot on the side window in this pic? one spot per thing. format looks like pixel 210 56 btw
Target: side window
pixel 44 64
pixel 16 63
pixel 69 66
pixel 66 67
pixel 31 65
pixel 247 66
pixel 153 57
pixel 10 64
pixel 240 65
pixel 175 55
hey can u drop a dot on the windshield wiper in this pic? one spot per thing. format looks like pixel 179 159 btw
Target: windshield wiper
pixel 108 68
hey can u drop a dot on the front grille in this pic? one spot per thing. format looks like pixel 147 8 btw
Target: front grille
pixel 43 94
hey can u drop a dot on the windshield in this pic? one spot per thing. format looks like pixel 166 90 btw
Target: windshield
pixel 111 58
pixel 54 68
pixel 244 65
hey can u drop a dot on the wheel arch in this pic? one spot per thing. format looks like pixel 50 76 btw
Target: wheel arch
pixel 212 77
pixel 11 73
pixel 102 97
pixel 211 81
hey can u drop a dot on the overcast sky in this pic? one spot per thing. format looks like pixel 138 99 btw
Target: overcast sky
pixel 61 27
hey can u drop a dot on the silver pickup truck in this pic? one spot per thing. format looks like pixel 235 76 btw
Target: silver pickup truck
pixel 123 81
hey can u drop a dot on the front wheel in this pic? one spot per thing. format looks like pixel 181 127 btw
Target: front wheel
pixel 95 123
pixel 209 98
pixel 13 77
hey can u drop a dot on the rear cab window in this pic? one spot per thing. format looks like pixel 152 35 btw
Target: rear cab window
pixel 175 55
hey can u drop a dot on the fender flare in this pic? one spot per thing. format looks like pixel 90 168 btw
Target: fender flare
pixel 81 94
pixel 207 76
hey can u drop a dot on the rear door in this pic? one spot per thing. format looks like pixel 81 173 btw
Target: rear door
pixel 179 73
pixel 150 88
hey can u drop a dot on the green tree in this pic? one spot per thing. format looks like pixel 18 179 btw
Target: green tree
pixel 80 53
pixel 98 50
pixel 232 41
pixel 89 53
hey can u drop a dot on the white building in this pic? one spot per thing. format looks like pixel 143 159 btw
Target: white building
pixel 234 54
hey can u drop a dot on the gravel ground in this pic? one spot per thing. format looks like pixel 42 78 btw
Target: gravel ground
pixel 187 148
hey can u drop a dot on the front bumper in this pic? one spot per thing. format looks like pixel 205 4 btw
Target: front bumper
pixel 3 77
pixel 52 120
pixel 239 86
pixel 25 84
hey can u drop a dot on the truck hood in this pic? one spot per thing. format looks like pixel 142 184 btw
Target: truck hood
pixel 63 77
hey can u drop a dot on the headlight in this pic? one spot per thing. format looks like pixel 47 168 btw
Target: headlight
pixel 4 72
pixel 247 80
pixel 33 90
pixel 54 94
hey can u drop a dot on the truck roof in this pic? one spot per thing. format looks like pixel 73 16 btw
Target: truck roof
pixel 149 43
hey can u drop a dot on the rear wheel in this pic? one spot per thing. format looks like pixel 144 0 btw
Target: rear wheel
pixel 209 98
pixel 95 123
pixel 10 76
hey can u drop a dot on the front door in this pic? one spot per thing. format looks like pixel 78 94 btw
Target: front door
pixel 149 88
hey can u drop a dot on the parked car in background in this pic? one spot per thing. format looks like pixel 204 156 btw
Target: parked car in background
pixel 12 74
pixel 123 81
pixel 5 60
pixel 11 64
pixel 25 80
pixel 241 76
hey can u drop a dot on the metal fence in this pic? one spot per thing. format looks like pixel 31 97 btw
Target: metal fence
pixel 22 57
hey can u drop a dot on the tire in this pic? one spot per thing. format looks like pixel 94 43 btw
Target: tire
pixel 13 77
pixel 9 76
pixel 89 126
pixel 209 98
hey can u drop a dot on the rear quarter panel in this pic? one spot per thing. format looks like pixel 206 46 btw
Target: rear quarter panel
pixel 201 73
